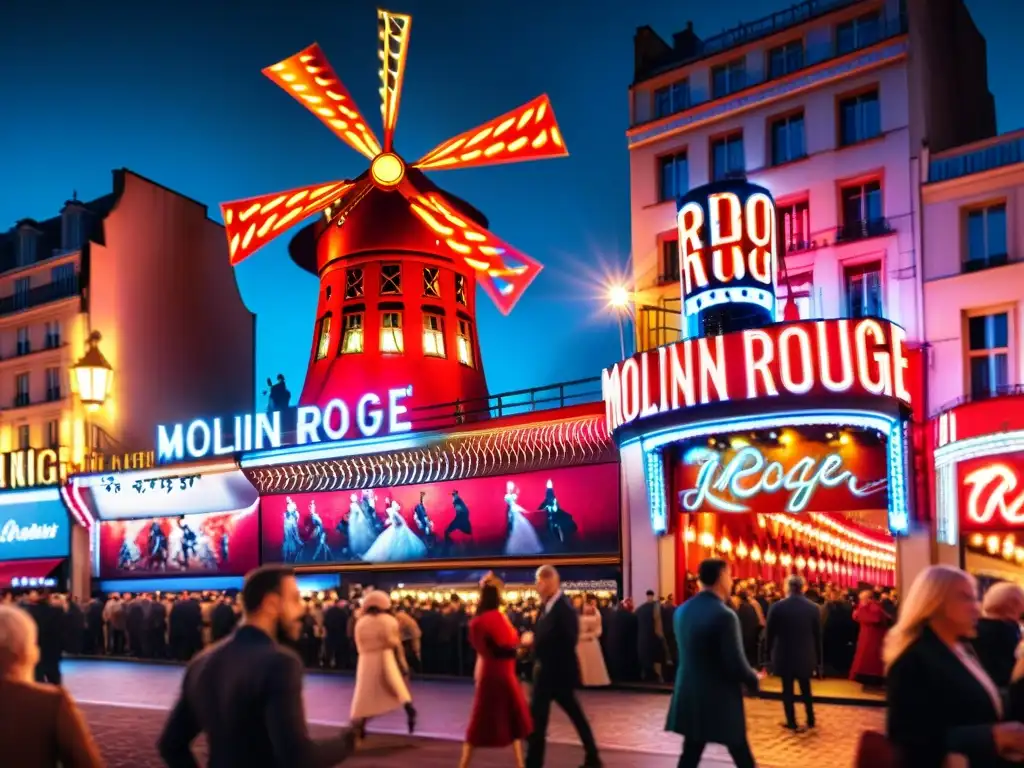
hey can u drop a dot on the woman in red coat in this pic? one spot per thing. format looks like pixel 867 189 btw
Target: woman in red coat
pixel 874 623
pixel 500 716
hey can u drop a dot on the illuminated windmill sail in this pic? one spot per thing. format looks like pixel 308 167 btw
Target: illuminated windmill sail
pixel 527 133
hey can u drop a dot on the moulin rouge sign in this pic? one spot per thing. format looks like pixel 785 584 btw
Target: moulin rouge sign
pixel 817 357
pixel 992 492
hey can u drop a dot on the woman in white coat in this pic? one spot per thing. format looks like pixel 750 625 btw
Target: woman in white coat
pixel 381 671
pixel 593 672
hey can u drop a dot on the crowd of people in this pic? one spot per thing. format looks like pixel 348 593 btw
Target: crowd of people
pixel 949 664
pixel 619 642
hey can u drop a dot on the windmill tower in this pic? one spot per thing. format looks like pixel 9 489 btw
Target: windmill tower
pixel 398 258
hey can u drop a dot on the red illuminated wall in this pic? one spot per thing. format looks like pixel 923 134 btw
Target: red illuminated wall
pixel 241 529
pixel 363 243
pixel 590 495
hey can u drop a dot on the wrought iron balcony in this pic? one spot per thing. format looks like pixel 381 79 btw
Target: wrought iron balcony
pixel 862 230
pixel 41 294
pixel 21 400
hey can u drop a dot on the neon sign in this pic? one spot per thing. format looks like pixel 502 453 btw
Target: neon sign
pixel 727 244
pixel 12 533
pixel 820 357
pixel 749 474
pixel 201 438
pixel 31 468
pixel 990 495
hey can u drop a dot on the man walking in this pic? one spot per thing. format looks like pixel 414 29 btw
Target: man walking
pixel 793 639
pixel 245 693
pixel 707 700
pixel 556 672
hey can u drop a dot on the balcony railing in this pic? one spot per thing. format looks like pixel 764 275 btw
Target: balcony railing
pixel 1004 390
pixel 21 400
pixel 888 27
pixel 52 394
pixel 41 294
pixel 862 230
pixel 1008 151
pixel 985 262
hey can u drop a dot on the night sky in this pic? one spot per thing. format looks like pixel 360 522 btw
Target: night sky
pixel 173 91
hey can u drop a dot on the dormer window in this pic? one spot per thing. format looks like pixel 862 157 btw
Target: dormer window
pixel 71 228
pixel 26 247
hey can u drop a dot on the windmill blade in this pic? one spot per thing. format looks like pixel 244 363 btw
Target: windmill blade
pixel 311 80
pixel 252 223
pixel 503 271
pixel 394 47
pixel 527 133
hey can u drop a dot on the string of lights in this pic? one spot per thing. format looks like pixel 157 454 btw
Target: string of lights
pixel 565 443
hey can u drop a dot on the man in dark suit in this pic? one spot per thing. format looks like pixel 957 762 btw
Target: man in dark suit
pixel 50 638
pixel 556 672
pixel 245 693
pixel 650 639
pixel 793 639
pixel 707 700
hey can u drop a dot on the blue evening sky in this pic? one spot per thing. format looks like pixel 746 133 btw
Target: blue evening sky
pixel 174 92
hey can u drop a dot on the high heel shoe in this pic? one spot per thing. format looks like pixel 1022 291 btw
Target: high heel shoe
pixel 410 716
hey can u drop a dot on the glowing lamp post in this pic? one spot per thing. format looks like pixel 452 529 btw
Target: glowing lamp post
pixel 618 300
pixel 92 374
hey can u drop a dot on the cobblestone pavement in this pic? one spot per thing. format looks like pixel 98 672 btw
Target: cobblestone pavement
pixel 627 721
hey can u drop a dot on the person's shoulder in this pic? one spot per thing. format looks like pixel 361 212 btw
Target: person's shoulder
pixel 35 698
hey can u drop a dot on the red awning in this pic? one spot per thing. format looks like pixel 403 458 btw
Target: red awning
pixel 25 571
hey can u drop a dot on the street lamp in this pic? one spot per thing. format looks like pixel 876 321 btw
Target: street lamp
pixel 92 374
pixel 618 300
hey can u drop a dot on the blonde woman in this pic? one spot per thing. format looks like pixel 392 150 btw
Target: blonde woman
pixel 999 630
pixel 942 703
pixel 40 725
pixel 382 669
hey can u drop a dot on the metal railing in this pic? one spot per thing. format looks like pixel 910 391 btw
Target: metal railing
pixel 862 230
pixel 1005 390
pixel 41 294
pixel 520 401
pixel 1007 151
pixel 657 326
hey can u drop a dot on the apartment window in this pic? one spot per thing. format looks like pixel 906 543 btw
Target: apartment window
pixel 673 176
pixel 323 343
pixel 433 335
pixel 862 211
pixel 727 157
pixel 352 339
pixel 24 346
pixel 24 437
pixel 860 118
pixel 391 340
pixel 669 261
pixel 863 290
pixel 52 384
pixel 786 59
pixel 460 290
pixel 432 282
pixel 26 248
pixel 986 238
pixel 464 343
pixel 858 33
pixel 390 279
pixel 53 434
pixel 52 334
pixel 63 274
pixel 728 78
pixel 21 383
pixel 354 283
pixel 788 139
pixel 988 352
pixel 794 226
pixel 672 98
pixel 21 289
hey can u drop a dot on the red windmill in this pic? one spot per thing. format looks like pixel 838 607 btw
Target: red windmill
pixel 397 257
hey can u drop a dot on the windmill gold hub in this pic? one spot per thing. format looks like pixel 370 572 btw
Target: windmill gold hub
pixel 387 170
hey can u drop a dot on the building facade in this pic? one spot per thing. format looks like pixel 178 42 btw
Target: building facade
pixel 828 106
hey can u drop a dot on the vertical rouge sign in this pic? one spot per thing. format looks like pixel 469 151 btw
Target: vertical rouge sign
pixel 727 248
pixel 819 357
pixel 992 492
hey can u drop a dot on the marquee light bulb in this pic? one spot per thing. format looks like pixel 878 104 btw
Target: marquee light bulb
pixel 755 554
pixel 707 540
pixel 690 535
pixel 725 545
pixel 786 559
pixel 741 551
pixel 992 544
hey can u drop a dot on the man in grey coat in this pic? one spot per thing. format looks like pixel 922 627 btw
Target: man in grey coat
pixel 793 637
pixel 707 700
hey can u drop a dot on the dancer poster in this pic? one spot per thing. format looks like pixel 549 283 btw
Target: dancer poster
pixel 215 543
pixel 562 511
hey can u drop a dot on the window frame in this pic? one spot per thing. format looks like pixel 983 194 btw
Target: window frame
pixel 725 139
pixel 856 23
pixel 968 264
pixel 856 96
pixel 787 118
pixel 351 329
pixel 437 334
pixel 673 91
pixel 464 332
pixel 323 337
pixel 432 286
pixel 728 67
pixel 665 239
pixel 673 159
pixel 391 285
pixel 859 269
pixel 355 283
pixel 24 434
pixel 461 290
pixel 971 354
pixel 783 48
pixel 397 332
pixel 789 205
